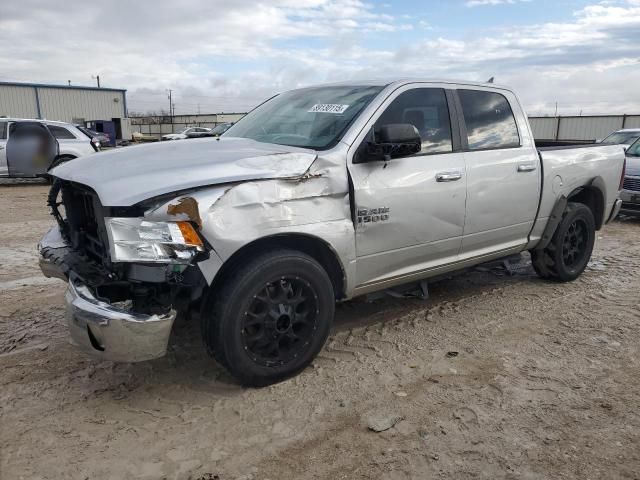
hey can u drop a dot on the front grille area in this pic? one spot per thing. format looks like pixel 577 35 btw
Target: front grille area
pixel 83 221
pixel 631 183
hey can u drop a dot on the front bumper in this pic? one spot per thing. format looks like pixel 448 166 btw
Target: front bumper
pixel 98 327
pixel 630 202
pixel 110 333
pixel 617 205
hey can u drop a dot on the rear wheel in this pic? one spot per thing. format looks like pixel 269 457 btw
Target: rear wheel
pixel 569 251
pixel 271 317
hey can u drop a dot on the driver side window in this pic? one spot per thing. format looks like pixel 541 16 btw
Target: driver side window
pixel 426 109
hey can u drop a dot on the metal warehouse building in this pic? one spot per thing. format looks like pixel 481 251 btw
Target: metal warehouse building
pixel 580 128
pixel 72 104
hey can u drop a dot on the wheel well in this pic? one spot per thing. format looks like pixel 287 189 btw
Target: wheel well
pixel 593 198
pixel 312 246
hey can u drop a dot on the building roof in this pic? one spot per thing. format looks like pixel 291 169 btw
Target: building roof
pixel 69 87
pixel 43 120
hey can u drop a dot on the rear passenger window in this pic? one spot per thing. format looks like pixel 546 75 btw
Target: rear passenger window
pixel 426 109
pixel 490 121
pixel 60 132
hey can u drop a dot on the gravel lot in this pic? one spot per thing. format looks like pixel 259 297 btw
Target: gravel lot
pixel 495 376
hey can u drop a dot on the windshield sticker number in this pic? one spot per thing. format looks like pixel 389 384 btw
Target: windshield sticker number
pixel 328 108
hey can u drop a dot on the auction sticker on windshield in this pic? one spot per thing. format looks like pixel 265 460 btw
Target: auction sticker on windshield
pixel 328 108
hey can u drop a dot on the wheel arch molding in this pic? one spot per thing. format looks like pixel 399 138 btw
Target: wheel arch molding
pixel 317 248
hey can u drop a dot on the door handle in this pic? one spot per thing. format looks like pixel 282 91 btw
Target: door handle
pixel 448 176
pixel 1 147
pixel 526 167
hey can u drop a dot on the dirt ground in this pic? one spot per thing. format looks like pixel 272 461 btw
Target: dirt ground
pixel 495 376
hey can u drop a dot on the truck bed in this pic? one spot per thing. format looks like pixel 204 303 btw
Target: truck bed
pixel 568 168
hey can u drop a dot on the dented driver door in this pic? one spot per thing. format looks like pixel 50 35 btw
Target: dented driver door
pixel 410 211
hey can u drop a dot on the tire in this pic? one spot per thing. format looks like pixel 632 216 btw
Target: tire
pixel 270 318
pixel 570 248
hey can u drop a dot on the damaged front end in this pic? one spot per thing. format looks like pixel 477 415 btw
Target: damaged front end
pixel 128 277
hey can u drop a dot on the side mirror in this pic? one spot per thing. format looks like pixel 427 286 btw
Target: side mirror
pixel 389 141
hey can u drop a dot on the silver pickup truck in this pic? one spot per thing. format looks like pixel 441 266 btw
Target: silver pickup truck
pixel 318 195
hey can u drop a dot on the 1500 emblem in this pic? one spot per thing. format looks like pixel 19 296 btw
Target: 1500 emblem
pixel 372 215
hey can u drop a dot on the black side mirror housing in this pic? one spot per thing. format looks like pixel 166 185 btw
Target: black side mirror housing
pixel 389 141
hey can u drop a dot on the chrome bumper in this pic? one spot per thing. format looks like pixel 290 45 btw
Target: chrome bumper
pixel 110 333
pixel 615 210
pixel 97 327
pixel 52 249
pixel 630 202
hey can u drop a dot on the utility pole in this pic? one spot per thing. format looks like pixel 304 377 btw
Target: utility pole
pixel 170 103
pixel 97 78
pixel 556 114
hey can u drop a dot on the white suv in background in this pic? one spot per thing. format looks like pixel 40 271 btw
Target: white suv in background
pixel 73 142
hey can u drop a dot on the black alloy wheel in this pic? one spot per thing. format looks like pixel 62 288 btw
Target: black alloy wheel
pixel 269 317
pixel 280 321
pixel 574 243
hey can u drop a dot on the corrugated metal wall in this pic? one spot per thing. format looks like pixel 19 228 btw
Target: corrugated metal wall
pixel 230 117
pixel 158 126
pixel 19 102
pixel 63 103
pixel 66 104
pixel 588 128
pixel 633 121
pixel 580 128
pixel 544 127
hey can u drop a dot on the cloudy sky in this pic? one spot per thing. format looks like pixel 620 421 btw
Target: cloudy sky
pixel 229 55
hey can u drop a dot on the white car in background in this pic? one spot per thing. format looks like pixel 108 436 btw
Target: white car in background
pixel 625 137
pixel 189 132
pixel 72 142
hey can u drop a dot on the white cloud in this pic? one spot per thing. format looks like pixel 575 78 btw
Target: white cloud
pixel 481 3
pixel 224 56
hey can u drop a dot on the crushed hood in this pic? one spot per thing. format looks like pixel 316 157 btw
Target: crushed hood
pixel 128 175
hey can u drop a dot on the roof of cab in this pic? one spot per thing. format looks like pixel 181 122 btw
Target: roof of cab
pixel 402 81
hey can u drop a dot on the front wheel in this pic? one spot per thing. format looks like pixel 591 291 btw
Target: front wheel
pixel 569 251
pixel 271 317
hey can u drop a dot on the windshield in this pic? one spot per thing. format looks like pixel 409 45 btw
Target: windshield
pixel 634 150
pixel 622 138
pixel 311 117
